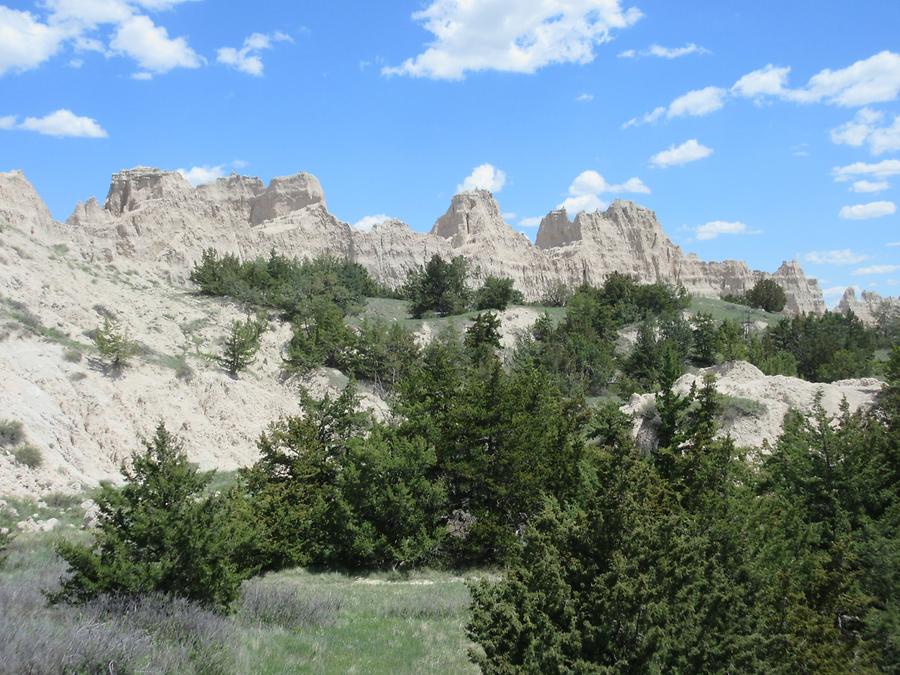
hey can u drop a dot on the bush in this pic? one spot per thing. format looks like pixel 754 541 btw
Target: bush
pixel 11 433
pixel 267 604
pixel 109 635
pixel 768 295
pixel 287 284
pixel 114 344
pixel 28 455
pixel 736 407
pixel 161 533
pixel 497 293
pixel 439 287
pixel 557 295
pixel 241 345
pixel 72 356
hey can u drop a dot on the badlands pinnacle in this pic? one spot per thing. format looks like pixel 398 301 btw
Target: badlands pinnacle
pixel 157 220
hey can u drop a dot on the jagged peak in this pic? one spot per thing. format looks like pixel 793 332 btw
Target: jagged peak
pixel 473 215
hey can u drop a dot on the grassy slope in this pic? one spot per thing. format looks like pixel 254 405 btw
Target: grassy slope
pixel 722 310
pixel 383 623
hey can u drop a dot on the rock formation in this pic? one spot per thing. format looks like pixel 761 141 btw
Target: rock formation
pixel 869 306
pixel 158 221
pixel 773 397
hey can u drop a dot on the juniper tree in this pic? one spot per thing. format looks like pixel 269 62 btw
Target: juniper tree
pixel 241 345
pixel 161 533
pixel 114 344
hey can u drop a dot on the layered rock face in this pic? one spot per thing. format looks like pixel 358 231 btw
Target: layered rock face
pixel 869 306
pixel 157 220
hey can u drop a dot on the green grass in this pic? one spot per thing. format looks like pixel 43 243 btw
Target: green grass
pixel 411 625
pixel 383 623
pixel 721 310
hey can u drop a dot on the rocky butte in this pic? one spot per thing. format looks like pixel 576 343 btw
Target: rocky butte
pixel 160 222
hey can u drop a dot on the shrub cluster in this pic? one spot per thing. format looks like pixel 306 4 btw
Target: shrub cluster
pixel 442 288
pixel 766 294
pixel 688 561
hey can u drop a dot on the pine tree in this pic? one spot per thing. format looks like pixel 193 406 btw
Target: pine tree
pixel 114 344
pixel 160 533
pixel 241 345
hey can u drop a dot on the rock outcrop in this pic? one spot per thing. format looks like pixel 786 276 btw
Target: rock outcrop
pixel 772 397
pixel 869 306
pixel 156 220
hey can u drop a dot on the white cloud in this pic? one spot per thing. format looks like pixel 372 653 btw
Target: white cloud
pixel 834 291
pixel 868 211
pixel 837 257
pixel 665 52
pixel 63 123
pixel 893 244
pixel 697 103
pixel 865 128
pixel 713 229
pixel 883 169
pixel 25 43
pixel 870 186
pixel 689 151
pixel 584 98
pixel 247 59
pixel 366 223
pixel 8 122
pixel 585 191
pixel 202 175
pixel 876 269
pixel 151 46
pixel 768 81
pixel 872 80
pixel 519 37
pixel 483 177
pixel 532 221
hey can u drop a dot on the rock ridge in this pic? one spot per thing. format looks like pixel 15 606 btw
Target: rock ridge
pixel 157 220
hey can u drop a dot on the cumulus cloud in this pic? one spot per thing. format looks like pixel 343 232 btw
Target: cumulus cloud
pixel 876 269
pixel 879 170
pixel 247 59
pixel 715 228
pixel 25 42
pixel 870 186
pixel 519 37
pixel 866 128
pixel 584 98
pixel 585 191
pixel 872 80
pixel 695 103
pixel 665 52
pixel 531 221
pixel 768 81
pixel 61 124
pixel 868 211
pixel 151 46
pixel 689 151
pixel 836 257
pixel 893 244
pixel 366 223
pixel 483 177
pixel 202 175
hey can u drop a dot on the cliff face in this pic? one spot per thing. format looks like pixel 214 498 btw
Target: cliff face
pixel 869 306
pixel 157 220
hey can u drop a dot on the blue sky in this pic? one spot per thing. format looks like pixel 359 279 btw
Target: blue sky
pixel 756 130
